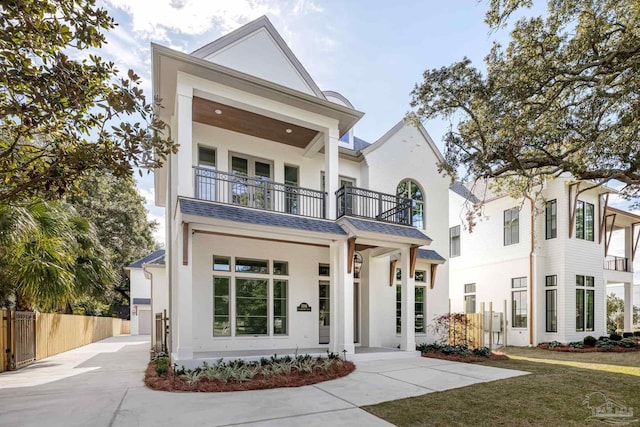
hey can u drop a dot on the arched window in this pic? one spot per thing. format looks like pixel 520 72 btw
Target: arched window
pixel 411 190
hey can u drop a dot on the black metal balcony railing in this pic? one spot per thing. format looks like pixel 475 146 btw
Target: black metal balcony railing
pixel 258 192
pixel 616 263
pixel 354 201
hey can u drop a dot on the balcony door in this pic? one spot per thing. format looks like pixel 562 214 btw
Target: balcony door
pixel 250 185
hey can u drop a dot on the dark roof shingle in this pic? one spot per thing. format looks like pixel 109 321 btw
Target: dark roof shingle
pixel 460 189
pixel 386 228
pixel 152 258
pixel 255 216
pixel 430 254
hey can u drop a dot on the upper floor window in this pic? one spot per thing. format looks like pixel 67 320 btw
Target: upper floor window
pixel 551 219
pixel 454 241
pixel 584 220
pixel 511 226
pixel 206 157
pixel 411 190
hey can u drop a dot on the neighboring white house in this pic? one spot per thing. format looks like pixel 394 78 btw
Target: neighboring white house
pixel 554 279
pixel 285 230
pixel 140 292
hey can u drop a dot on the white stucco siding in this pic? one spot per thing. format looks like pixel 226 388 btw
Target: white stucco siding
pixel 303 286
pixel 140 287
pixel 227 142
pixel 259 55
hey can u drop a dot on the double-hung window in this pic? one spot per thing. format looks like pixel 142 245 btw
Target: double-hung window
pixel 585 213
pixel 454 241
pixel 511 226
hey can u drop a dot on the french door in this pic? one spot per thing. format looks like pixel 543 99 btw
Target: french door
pixel 251 183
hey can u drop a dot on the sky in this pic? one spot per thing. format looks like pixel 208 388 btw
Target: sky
pixel 372 52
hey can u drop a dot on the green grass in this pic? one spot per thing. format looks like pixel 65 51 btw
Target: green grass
pixel 551 395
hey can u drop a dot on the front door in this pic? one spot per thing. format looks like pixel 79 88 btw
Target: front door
pixel 250 186
pixel 323 309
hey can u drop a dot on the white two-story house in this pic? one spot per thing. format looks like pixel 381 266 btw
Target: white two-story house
pixel 552 279
pixel 284 230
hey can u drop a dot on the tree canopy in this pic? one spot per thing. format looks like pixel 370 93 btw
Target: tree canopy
pixel 562 97
pixel 63 109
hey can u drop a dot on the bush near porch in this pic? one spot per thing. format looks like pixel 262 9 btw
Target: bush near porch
pixel 612 343
pixel 239 375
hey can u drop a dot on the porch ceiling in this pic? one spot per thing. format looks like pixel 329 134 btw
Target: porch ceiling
pixel 246 122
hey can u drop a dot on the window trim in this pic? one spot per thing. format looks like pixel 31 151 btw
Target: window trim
pixel 553 311
pixel 585 287
pixel 519 289
pixel 423 285
pixel 513 224
pixel 469 293
pixel 422 202
pixel 585 227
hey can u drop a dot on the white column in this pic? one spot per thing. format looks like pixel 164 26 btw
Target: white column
pixel 628 307
pixel 183 332
pixel 346 300
pixel 331 180
pixel 185 162
pixel 628 244
pixel 408 339
pixel 334 317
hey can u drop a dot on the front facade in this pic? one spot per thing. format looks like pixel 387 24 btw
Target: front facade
pixel 550 284
pixel 284 230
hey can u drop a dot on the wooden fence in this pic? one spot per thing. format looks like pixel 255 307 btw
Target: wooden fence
pixel 469 330
pixel 56 333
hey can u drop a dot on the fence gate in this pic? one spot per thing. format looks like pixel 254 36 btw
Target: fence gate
pixel 161 332
pixel 24 338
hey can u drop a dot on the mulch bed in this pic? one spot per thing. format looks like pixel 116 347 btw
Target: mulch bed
pixel 568 349
pixel 176 383
pixel 466 359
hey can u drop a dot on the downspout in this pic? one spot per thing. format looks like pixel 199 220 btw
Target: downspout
pixel 169 256
pixel 531 264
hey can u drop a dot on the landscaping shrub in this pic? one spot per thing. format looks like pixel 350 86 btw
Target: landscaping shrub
pixel 606 344
pixel 576 344
pixel 589 341
pixel 636 334
pixel 162 365
pixel 424 347
pixel 627 343
pixel 482 351
pixel 603 338
pixel 627 334
pixel 554 344
pixel 615 337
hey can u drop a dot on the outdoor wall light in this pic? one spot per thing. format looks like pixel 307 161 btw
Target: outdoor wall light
pixel 357 265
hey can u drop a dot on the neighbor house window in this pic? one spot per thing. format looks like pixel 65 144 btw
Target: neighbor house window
pixel 221 314
pixel 411 190
pixel 470 298
pixel 585 298
pixel 511 226
pixel 585 220
pixel 551 219
pixel 519 302
pixel 551 303
pixel 454 241
pixel 419 302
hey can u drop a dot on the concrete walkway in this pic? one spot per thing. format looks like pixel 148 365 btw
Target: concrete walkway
pixel 101 385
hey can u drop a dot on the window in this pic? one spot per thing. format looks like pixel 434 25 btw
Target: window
pixel 221 263
pixel 411 190
pixel 585 303
pixel 324 270
pixel 280 307
pixel 244 265
pixel 251 306
pixel 419 303
pixel 470 298
pixel 551 302
pixel 324 312
pixel 511 226
pixel 221 324
pixel 206 157
pixel 454 241
pixel 291 183
pixel 551 219
pixel 584 221
pixel 420 276
pixel 281 268
pixel 519 302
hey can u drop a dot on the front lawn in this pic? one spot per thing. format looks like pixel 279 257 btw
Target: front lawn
pixel 552 394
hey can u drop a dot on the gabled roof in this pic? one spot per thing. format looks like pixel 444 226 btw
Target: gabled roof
pixel 153 258
pixel 431 255
pixel 247 29
pixel 359 144
pixel 401 124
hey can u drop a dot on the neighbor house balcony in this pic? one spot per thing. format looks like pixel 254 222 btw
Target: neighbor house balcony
pixel 616 263
pixel 265 194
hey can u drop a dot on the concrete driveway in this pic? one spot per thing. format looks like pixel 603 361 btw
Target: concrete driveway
pixel 101 385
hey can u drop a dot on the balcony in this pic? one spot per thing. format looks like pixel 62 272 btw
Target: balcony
pixel 262 193
pixel 258 193
pixel 358 202
pixel 616 263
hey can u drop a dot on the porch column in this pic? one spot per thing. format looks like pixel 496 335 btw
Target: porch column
pixel 628 245
pixel 183 331
pixel 408 338
pixel 331 180
pixel 341 300
pixel 628 307
pixel 184 107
